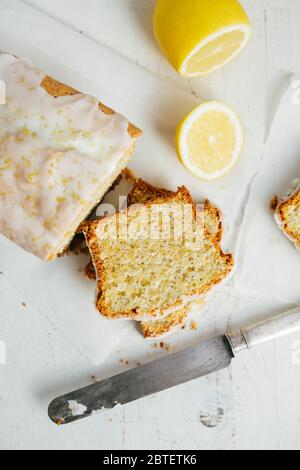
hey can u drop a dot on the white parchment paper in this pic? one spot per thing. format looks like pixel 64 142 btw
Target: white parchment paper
pixel 58 290
pixel 267 261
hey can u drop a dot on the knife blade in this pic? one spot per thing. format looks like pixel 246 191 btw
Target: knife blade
pixel 195 362
pixel 178 368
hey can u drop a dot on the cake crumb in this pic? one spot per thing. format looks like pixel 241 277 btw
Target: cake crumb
pixel 95 379
pixel 60 422
pixel 161 345
pixel 193 325
pixel 124 362
pixel 274 203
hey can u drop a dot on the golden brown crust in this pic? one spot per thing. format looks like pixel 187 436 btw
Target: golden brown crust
pixel 142 187
pixel 208 207
pixel 56 89
pixel 281 211
pixel 90 229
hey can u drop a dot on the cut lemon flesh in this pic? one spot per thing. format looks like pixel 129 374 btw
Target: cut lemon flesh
pixel 215 52
pixel 210 140
pixel 200 36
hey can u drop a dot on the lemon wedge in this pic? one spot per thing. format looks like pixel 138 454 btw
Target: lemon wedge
pixel 199 36
pixel 210 140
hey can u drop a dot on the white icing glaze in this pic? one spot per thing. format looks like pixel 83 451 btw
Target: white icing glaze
pixel 55 153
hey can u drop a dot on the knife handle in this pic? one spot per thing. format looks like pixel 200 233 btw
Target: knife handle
pixel 265 331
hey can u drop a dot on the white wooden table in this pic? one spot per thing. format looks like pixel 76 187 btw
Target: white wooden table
pixel 253 405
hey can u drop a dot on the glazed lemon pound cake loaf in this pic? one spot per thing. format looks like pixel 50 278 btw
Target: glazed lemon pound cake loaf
pixel 60 151
pixel 143 274
pixel 287 216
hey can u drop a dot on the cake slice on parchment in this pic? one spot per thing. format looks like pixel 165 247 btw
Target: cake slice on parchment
pixel 60 151
pixel 140 193
pixel 143 192
pixel 287 216
pixel 148 277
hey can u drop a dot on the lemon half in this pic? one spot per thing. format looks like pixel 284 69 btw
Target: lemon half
pixel 199 36
pixel 210 140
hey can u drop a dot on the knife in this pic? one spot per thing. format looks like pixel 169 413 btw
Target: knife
pixel 178 368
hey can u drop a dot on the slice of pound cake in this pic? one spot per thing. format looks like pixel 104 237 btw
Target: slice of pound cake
pixel 60 151
pixel 144 192
pixel 287 216
pixel 154 258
